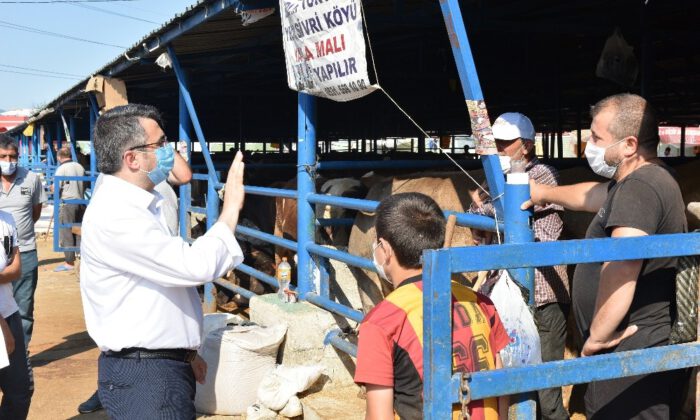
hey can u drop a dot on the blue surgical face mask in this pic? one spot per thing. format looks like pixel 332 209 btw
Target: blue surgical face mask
pixel 377 266
pixel 8 168
pixel 165 160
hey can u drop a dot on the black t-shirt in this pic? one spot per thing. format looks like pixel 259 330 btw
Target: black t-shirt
pixel 650 200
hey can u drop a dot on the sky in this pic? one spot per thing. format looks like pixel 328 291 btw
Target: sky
pixel 68 60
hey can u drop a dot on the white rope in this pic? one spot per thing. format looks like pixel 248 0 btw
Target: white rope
pixel 427 136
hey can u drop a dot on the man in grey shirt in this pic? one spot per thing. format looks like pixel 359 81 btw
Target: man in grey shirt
pixel 22 195
pixel 69 213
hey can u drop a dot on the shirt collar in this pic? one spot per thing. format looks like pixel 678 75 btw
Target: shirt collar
pixel 137 195
pixel 531 164
pixel 411 280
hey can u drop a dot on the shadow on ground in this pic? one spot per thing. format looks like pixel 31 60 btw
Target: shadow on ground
pixel 50 261
pixel 73 344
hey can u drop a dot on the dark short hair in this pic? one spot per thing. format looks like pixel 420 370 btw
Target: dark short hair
pixel 634 116
pixel 7 142
pixel 410 222
pixel 64 152
pixel 118 130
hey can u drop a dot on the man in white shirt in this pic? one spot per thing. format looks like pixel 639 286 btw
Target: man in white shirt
pixel 137 281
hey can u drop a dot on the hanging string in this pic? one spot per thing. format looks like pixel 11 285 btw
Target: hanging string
pixel 376 77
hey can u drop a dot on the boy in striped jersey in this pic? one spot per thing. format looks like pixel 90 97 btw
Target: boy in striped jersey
pixel 390 348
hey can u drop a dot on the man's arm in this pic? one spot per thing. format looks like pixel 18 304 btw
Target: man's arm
pixel 181 173
pixel 585 196
pixel 380 402
pixel 13 271
pixel 36 212
pixel 618 281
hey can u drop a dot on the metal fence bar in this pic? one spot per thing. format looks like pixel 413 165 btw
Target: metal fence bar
pixel 333 306
pixel 463 219
pixel 306 161
pixel 275 240
pixel 266 278
pixel 437 335
pixel 234 288
pixel 580 370
pixel 543 254
pixel 271 192
pixel 341 256
pixel 333 338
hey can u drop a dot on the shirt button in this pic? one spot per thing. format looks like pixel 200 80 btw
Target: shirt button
pixel 111 387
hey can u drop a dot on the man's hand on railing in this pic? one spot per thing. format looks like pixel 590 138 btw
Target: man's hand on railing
pixel 537 195
pixel 233 193
pixel 593 346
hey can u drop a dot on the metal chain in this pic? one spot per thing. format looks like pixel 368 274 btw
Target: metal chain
pixel 465 395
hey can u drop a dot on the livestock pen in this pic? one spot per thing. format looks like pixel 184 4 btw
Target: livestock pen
pixel 519 254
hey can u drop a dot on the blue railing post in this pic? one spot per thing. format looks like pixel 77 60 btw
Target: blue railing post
pixel 306 167
pixel 518 230
pixel 56 205
pixel 187 98
pixel 437 335
pixel 185 127
pixel 212 217
pixel 72 143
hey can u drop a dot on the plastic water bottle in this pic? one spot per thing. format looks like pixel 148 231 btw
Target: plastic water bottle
pixel 284 277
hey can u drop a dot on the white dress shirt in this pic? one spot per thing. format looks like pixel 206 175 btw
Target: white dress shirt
pixel 137 281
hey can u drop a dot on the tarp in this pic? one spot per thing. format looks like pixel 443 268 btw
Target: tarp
pixel 324 48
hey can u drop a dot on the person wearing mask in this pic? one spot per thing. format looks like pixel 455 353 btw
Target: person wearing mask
pixel 625 305
pixel 180 174
pixel 138 281
pixel 22 196
pixel 515 141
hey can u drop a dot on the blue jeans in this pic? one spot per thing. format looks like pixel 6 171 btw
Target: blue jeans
pixel 15 380
pixel 24 288
pixel 146 388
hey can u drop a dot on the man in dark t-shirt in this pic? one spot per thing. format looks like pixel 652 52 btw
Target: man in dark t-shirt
pixel 625 305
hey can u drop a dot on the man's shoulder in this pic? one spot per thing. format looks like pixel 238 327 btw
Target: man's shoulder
pixel 390 312
pixel 540 169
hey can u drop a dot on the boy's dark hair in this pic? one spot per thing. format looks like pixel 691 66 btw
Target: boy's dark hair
pixel 118 130
pixel 411 223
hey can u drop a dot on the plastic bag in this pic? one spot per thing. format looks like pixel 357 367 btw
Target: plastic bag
pixel 524 346
pixel 280 385
pixel 617 62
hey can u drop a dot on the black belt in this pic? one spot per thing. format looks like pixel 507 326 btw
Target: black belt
pixel 182 355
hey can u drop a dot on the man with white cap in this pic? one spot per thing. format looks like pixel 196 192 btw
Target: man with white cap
pixel 515 136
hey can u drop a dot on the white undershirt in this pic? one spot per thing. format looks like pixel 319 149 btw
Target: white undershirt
pixel 137 281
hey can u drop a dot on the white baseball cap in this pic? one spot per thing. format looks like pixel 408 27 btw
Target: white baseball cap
pixel 513 125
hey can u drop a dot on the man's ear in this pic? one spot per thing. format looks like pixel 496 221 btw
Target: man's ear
pixel 130 161
pixel 631 145
pixel 528 147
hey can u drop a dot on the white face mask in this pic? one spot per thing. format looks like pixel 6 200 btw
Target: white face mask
pixel 596 159
pixel 379 267
pixel 505 163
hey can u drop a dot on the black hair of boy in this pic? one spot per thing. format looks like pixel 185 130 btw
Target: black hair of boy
pixel 411 223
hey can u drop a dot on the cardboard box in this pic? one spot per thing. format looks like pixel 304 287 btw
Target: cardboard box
pixel 109 92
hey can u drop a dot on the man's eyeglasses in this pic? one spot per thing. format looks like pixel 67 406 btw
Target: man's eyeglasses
pixel 161 142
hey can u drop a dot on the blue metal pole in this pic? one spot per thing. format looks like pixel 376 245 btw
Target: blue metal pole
pixel 71 130
pixel 518 230
pixel 187 98
pixel 437 335
pixel 56 205
pixel 94 114
pixel 185 190
pixel 212 217
pixel 306 161
pixel 59 133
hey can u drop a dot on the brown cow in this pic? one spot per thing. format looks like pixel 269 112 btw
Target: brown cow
pixel 449 190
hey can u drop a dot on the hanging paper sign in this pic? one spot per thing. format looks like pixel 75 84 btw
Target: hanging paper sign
pixel 324 47
pixel 481 127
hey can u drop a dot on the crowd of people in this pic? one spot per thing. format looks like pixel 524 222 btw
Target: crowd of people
pixel 138 277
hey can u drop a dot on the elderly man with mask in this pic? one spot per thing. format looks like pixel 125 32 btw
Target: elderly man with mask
pixel 625 305
pixel 138 281
pixel 515 135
